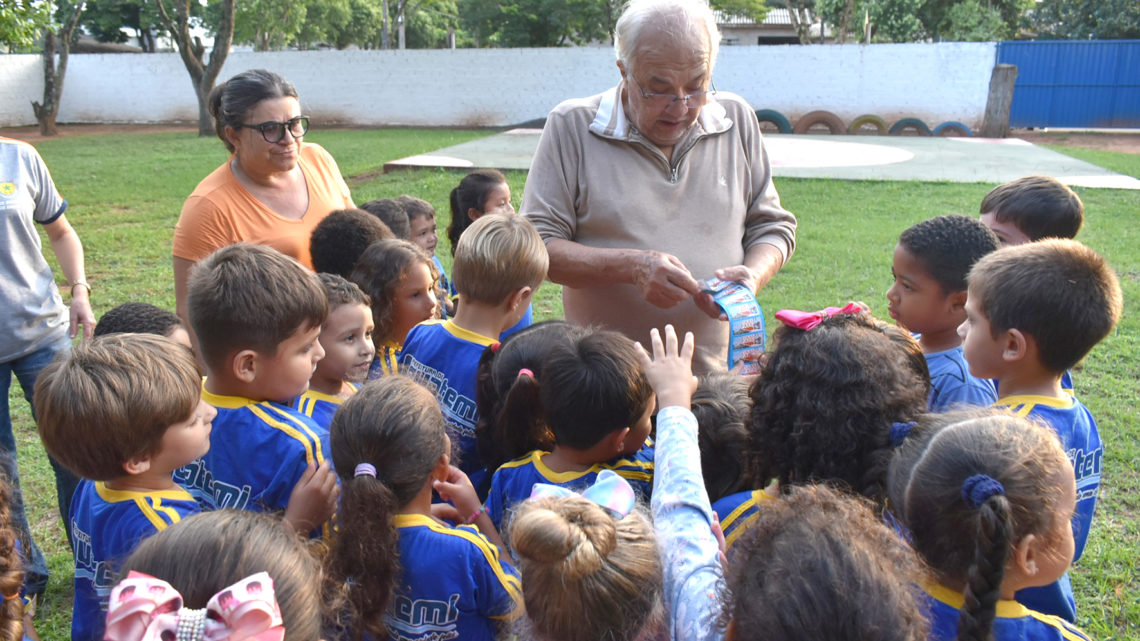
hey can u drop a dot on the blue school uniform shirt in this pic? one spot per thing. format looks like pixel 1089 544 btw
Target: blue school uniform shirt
pixel 513 481
pixel 1075 426
pixel 1014 621
pixel 737 512
pixel 106 526
pixel 320 406
pixel 453 585
pixel 444 357
pixel 258 452
pixel 386 362
pixel 952 384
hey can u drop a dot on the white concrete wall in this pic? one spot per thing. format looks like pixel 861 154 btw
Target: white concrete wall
pixel 497 87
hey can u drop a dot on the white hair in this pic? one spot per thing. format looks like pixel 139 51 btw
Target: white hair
pixel 686 21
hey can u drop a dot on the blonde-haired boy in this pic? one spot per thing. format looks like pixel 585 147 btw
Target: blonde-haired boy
pixel 500 261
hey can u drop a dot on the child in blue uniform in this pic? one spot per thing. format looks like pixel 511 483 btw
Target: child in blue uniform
pixel 596 401
pixel 481 192
pixel 346 337
pixel 257 315
pixel 408 575
pixel 399 278
pixel 122 412
pixel 928 298
pixel 499 380
pixel 209 554
pixel 1034 311
pixel 822 410
pixel 499 264
pixel 988 499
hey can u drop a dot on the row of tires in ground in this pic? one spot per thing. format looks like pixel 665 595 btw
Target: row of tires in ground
pixel 861 125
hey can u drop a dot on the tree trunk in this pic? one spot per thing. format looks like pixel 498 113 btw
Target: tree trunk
pixel 53 76
pixel 799 15
pixel 845 21
pixel 193 52
pixel 385 38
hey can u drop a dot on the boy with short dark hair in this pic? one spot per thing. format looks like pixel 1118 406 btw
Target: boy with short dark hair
pixel 122 412
pixel 391 213
pixel 143 318
pixel 338 241
pixel 257 314
pixel 500 261
pixel 928 298
pixel 1034 311
pixel 1031 208
pixel 346 337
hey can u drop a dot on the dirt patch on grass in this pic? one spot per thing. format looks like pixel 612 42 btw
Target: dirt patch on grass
pixel 1128 143
pixel 32 134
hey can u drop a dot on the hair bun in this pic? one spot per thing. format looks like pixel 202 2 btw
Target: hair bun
pixel 571 532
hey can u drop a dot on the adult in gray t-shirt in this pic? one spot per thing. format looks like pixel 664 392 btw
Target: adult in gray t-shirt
pixel 36 326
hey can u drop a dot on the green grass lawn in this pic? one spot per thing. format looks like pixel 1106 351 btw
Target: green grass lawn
pixel 125 192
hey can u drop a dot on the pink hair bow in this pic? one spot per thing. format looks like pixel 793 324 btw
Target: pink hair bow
pixel 808 320
pixel 143 608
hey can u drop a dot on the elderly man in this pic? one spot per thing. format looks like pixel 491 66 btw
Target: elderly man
pixel 660 181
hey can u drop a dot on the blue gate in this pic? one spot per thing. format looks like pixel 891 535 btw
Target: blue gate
pixel 1074 83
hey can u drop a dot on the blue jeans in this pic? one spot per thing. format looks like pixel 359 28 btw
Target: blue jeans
pixel 27 368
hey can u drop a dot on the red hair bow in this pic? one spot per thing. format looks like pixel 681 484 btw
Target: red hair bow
pixel 808 320
pixel 143 608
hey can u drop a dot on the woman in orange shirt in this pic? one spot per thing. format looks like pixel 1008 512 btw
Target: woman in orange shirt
pixel 274 188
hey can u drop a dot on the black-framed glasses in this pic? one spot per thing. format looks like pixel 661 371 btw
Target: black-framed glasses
pixel 667 99
pixel 273 131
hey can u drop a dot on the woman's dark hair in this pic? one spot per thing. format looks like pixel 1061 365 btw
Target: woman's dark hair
pixel 395 425
pixel 591 386
pixel 11 564
pixel 510 412
pixel 721 405
pixel 819 564
pixel 965 541
pixel 231 101
pixel 470 194
pixel 380 271
pixel 823 406
pixel 205 553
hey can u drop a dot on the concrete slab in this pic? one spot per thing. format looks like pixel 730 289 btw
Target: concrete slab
pixel 842 157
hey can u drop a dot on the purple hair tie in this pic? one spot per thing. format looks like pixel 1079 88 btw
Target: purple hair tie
pixel 364 469
pixel 978 489
pixel 899 432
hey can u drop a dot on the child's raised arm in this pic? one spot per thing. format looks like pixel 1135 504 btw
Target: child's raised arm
pixel 670 370
pixel 314 498
pixel 457 488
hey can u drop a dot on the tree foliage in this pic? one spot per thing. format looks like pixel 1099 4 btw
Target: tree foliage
pixel 1084 19
pixel 22 22
pixel 106 19
pixel 539 23
pixel 937 20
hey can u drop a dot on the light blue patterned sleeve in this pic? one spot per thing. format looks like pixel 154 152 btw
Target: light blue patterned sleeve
pixel 682 518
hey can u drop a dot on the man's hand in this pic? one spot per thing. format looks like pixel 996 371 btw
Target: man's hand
pixel 663 279
pixel 314 498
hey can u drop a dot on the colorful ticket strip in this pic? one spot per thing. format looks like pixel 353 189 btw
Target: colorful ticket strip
pixel 745 322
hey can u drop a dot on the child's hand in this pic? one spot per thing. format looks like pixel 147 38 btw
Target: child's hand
pixel 314 498
pixel 670 371
pixel 458 490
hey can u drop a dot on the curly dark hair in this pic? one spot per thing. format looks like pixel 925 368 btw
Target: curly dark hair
pixel 395 425
pixel 807 570
pixel 338 241
pixel 11 568
pixel 823 407
pixel 380 271
pixel 963 543
pixel 510 412
pixel 949 246
pixel 138 318
pixel 721 405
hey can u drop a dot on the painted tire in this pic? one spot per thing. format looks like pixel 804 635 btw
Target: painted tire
pixel 783 125
pixel 868 119
pixel 833 123
pixel 953 128
pixel 910 123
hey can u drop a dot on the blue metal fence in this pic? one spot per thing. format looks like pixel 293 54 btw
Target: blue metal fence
pixel 1074 83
